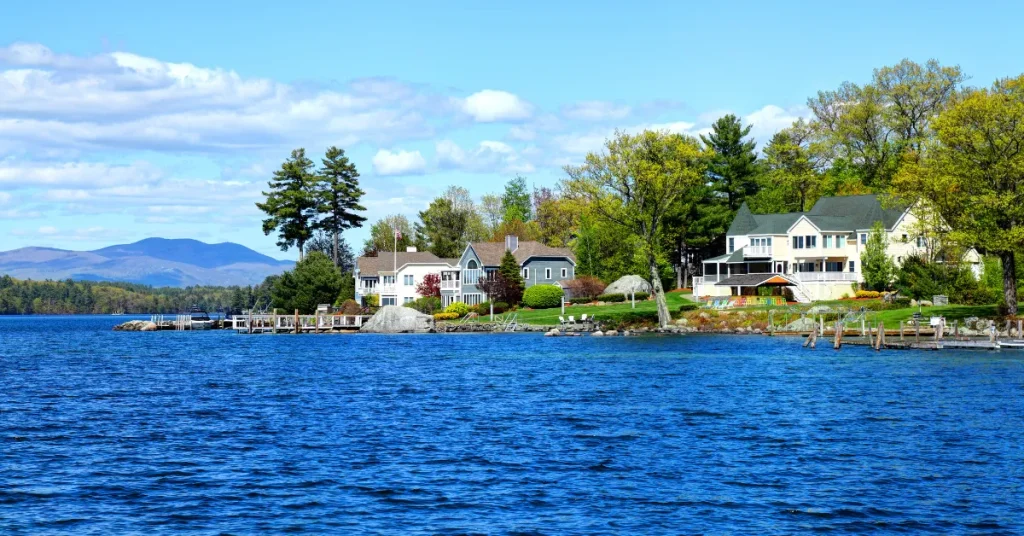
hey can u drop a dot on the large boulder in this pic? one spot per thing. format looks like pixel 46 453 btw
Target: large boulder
pixel 628 284
pixel 395 319
pixel 136 325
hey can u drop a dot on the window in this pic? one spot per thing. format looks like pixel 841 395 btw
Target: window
pixel 732 244
pixel 922 242
pixel 828 241
pixel 851 267
pixel 408 280
pixel 769 242
pixel 833 266
pixel 387 300
pixel 526 274
pixel 840 241
pixel 812 242
pixel 565 273
pixel 389 280
pixel 472 265
pixel 796 242
pixel 407 299
pixel 863 239
pixel 547 273
pixel 473 299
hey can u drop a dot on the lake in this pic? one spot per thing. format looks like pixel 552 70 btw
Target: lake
pixel 215 432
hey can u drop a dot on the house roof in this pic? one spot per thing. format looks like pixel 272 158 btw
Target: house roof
pixel 844 213
pixel 385 262
pixel 754 280
pixel 490 253
pixel 735 256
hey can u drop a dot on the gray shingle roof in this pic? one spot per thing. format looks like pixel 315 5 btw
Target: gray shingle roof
pixel 749 280
pixel 844 213
pixel 744 221
pixel 735 256
pixel 370 266
pixel 490 253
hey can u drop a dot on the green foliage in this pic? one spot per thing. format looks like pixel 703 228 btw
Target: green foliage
pixel 337 194
pixel 372 301
pixel 450 223
pixel 515 202
pixel 582 301
pixel 446 316
pixel 543 296
pixel 426 304
pixel 731 168
pixel 349 307
pixel 878 268
pixel 290 204
pixel 688 307
pixel 19 297
pixel 612 298
pixel 315 280
pixel 638 296
pixel 920 279
pixel 485 308
pixel 458 308
pixel 509 270
pixel 382 236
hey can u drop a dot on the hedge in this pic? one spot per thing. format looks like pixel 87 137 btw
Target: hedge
pixel 458 308
pixel 445 316
pixel 868 294
pixel 614 298
pixel 485 308
pixel 543 296
pixel 688 307
pixel 580 301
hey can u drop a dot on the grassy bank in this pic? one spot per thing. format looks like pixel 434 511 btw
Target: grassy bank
pixel 606 314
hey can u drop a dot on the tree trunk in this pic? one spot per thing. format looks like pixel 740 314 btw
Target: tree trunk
pixel 1009 262
pixel 301 249
pixel 659 293
pixel 335 249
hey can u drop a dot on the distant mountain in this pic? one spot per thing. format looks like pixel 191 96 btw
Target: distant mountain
pixel 153 261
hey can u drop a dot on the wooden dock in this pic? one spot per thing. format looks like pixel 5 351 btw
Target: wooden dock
pixel 295 323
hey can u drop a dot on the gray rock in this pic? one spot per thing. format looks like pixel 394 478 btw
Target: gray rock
pixel 627 284
pixel 926 303
pixel 626 333
pixel 611 333
pixel 597 334
pixel 136 325
pixel 553 333
pixel 395 319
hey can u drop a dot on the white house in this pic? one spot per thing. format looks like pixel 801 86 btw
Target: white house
pixel 815 253
pixel 394 277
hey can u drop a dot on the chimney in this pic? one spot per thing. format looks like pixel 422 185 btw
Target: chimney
pixel 410 249
pixel 511 243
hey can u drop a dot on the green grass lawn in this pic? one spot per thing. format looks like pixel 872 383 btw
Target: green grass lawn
pixel 603 313
pixel 951 312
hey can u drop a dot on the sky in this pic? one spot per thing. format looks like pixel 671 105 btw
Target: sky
pixel 126 120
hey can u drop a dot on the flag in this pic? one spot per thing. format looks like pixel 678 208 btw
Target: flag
pixel 398 234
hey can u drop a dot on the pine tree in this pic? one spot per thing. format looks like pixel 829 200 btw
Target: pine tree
pixel 510 272
pixel 732 169
pixel 290 204
pixel 337 196
pixel 515 202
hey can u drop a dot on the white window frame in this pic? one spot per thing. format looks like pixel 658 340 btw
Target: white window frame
pixel 474 298
pixel 526 274
pixel 547 273
pixel 409 280
pixel 407 299
pixel 565 273
pixel 732 244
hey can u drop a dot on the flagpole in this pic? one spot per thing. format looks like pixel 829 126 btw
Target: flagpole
pixel 394 269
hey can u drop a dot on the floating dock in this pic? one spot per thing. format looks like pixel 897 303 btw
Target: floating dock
pixel 296 323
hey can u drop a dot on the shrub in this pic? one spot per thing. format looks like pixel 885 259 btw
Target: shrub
pixel 613 298
pixel 543 296
pixel 580 301
pixel 458 308
pixel 373 300
pixel 445 316
pixel 350 307
pixel 425 304
pixel 640 296
pixel 585 287
pixel 501 307
pixel 901 302
pixel 868 294
pixel 485 308
pixel 688 307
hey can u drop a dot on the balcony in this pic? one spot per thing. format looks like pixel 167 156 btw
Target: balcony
pixel 386 289
pixel 824 277
pixel 368 291
pixel 470 277
pixel 758 251
pixel 450 284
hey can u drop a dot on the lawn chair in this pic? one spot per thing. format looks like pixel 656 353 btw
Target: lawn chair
pixel 583 319
pixel 561 320
pixel 572 320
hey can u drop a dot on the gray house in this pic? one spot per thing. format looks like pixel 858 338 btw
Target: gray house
pixel 539 265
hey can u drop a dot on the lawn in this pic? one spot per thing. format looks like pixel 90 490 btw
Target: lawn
pixel 951 312
pixel 603 313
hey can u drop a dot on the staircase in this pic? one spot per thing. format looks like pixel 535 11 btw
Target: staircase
pixel 800 293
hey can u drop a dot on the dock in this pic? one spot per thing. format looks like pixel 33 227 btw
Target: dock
pixel 295 323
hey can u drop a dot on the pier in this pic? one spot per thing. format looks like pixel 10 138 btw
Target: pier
pixel 295 323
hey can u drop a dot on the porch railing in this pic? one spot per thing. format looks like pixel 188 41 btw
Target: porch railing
pixel 757 251
pixel 821 277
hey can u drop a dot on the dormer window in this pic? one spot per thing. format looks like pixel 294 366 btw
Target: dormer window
pixel 472 265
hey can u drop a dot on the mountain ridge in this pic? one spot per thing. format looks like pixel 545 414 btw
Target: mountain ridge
pixel 152 261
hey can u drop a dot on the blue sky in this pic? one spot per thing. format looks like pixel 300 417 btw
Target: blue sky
pixel 123 120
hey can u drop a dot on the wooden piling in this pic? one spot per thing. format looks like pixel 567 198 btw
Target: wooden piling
pixel 838 336
pixel 296 321
pixel 274 320
pixel 248 321
pixel 316 322
pixel 917 331
pixel 901 331
pixel 863 327
pixel 812 338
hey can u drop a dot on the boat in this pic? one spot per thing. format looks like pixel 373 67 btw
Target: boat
pixel 1011 344
pixel 119 312
pixel 199 319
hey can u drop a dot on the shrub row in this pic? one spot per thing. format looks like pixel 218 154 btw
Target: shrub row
pixel 485 308
pixel 688 307
pixel 459 309
pixel 868 294
pixel 580 301
pixel 445 316
pixel 543 296
pixel 612 298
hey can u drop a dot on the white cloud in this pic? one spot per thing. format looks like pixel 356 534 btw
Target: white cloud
pixel 487 157
pixel 771 119
pixel 386 162
pixel 71 175
pixel 596 111
pixel 48 230
pixel 5 198
pixel 491 105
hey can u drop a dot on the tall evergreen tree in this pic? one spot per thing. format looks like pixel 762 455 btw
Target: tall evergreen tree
pixel 337 195
pixel 290 204
pixel 732 169
pixel 444 227
pixel 515 202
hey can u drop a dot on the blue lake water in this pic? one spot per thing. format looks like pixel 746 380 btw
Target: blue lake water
pixel 209 433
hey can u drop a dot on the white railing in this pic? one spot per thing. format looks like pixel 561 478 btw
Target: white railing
pixel 713 278
pixel 386 289
pixel 757 251
pixel 368 291
pixel 449 284
pixel 819 277
pixel 470 277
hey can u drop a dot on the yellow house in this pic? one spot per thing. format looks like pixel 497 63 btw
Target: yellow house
pixel 815 253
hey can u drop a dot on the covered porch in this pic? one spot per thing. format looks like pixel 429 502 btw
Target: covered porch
pixel 749 284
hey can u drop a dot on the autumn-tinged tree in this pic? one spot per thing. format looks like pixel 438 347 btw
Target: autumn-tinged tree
pixel 634 184
pixel 973 174
pixel 291 204
pixel 430 286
